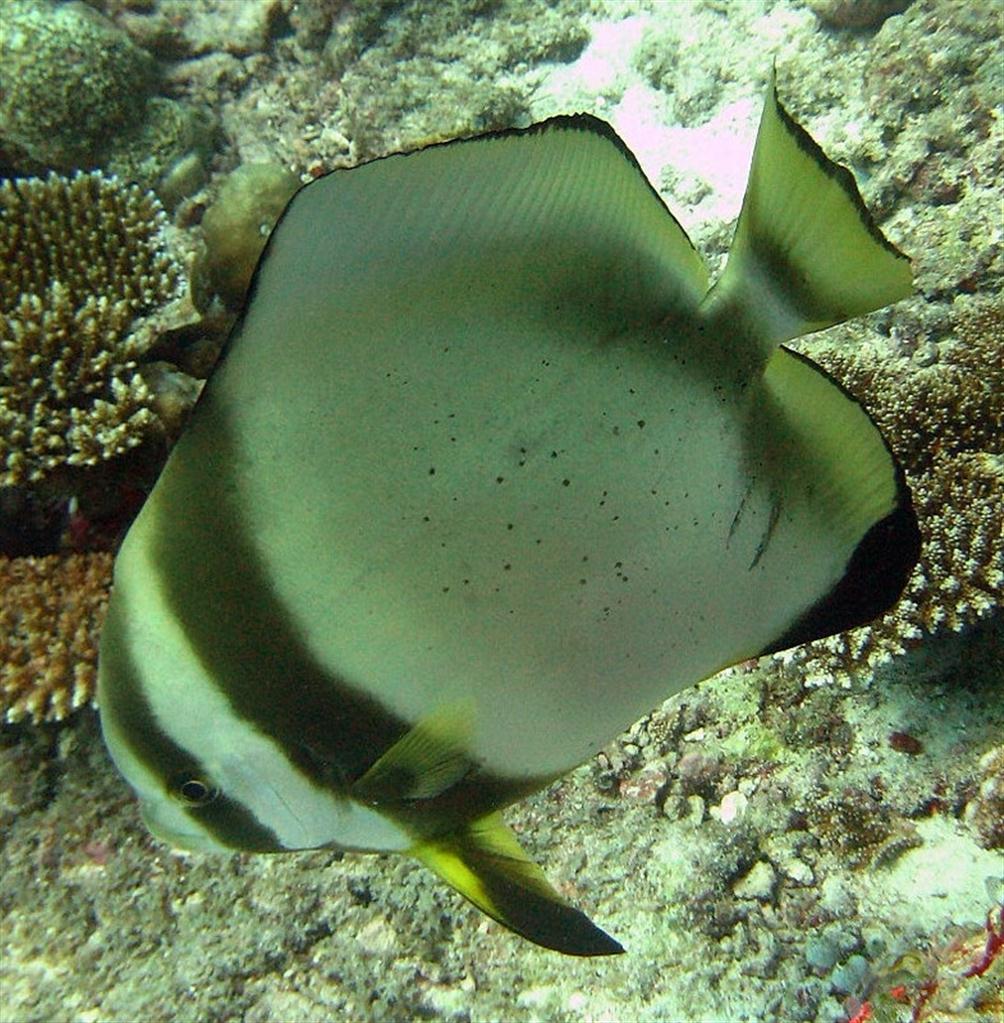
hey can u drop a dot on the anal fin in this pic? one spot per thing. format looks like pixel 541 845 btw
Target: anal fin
pixel 487 865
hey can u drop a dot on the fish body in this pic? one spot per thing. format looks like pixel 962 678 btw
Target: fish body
pixel 487 471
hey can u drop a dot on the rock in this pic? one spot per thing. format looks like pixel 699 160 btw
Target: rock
pixel 168 152
pixel 696 810
pixel 238 224
pixel 821 953
pixel 836 897
pixel 698 773
pixel 647 784
pixel 985 811
pixel 70 82
pixel 758 884
pixel 799 871
pixel 856 14
pixel 851 978
pixel 731 808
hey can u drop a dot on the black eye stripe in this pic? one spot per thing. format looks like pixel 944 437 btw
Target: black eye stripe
pixel 229 822
pixel 330 730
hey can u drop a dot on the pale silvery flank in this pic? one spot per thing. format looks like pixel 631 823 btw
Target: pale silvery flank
pixel 485 473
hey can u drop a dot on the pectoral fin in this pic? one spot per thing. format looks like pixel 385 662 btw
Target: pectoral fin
pixel 426 761
pixel 486 864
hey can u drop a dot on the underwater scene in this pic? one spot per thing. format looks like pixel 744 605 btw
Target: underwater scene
pixel 551 459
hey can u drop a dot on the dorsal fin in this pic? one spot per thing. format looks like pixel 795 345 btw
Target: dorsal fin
pixel 558 216
pixel 807 253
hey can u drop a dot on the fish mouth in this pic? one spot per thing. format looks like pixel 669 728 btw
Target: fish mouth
pixel 177 838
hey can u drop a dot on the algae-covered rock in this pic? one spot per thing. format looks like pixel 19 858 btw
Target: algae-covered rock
pixel 856 14
pixel 427 69
pixel 168 152
pixel 70 81
pixel 237 225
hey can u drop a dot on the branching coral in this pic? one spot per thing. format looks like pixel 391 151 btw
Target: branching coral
pixel 945 421
pixel 82 261
pixel 51 611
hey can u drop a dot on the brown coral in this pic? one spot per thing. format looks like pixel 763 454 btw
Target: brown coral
pixel 82 261
pixel 51 611
pixel 945 421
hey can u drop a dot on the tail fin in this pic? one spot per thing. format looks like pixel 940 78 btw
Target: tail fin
pixel 807 253
pixel 486 864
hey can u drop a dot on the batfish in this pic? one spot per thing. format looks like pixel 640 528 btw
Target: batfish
pixel 486 471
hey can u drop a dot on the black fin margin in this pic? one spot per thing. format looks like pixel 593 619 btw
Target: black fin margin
pixel 837 171
pixel 550 924
pixel 875 578
pixel 877 571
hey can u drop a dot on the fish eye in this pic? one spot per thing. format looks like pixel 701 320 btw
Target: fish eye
pixel 193 790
